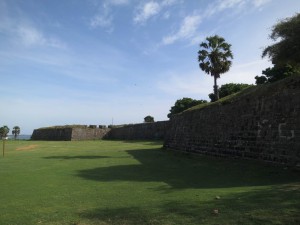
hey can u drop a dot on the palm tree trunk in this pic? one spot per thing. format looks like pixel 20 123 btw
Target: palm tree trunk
pixel 216 91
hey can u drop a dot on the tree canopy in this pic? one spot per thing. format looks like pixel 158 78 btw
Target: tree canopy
pixel 4 131
pixel 16 131
pixel 184 104
pixel 275 73
pixel 287 49
pixel 228 89
pixel 213 58
pixel 149 119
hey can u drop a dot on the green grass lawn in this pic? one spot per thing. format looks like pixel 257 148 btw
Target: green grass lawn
pixel 117 182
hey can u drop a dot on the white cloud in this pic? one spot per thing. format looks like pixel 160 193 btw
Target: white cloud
pixel 148 10
pixel 23 31
pixel 151 9
pixel 259 3
pixel 118 2
pixel 104 18
pixel 169 2
pixel 222 5
pixel 187 30
pixel 104 21
pixel 30 36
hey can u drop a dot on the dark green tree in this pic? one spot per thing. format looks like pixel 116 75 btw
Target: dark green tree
pixel 4 131
pixel 287 49
pixel 149 119
pixel 228 89
pixel 184 104
pixel 213 58
pixel 16 131
pixel 275 73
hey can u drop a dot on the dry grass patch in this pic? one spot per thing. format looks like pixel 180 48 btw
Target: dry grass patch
pixel 27 148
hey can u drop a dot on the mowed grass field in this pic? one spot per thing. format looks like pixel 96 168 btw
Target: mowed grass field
pixel 118 182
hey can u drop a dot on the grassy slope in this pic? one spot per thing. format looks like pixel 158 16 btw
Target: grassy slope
pixel 114 182
pixel 252 92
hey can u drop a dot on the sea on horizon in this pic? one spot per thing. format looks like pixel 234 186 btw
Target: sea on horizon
pixel 20 137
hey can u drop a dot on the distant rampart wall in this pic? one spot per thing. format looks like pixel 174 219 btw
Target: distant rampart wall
pixel 52 134
pixel 69 133
pixel 141 131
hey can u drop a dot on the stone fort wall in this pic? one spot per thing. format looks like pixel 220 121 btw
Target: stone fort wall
pixel 70 133
pixel 263 124
pixel 142 131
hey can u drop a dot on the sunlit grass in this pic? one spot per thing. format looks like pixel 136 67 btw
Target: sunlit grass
pixel 115 182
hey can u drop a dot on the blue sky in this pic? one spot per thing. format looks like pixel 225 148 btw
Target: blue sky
pixel 91 62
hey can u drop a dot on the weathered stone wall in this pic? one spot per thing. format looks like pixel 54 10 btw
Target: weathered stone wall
pixel 69 134
pixel 89 133
pixel 141 131
pixel 263 124
pixel 52 134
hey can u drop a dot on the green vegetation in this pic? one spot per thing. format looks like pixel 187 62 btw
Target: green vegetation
pixel 149 119
pixel 4 131
pixel 213 58
pixel 275 73
pixel 119 182
pixel 252 92
pixel 16 131
pixel 228 89
pixel 287 49
pixel 284 54
pixel 184 104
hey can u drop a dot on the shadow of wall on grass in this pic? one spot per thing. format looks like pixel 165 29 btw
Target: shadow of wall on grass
pixel 275 205
pixel 181 171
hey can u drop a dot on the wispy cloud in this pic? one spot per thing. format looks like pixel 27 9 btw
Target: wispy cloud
pixel 187 30
pixel 189 27
pixel 104 18
pixel 259 3
pixel 31 36
pixel 22 31
pixel 151 9
pixel 146 11
pixel 118 2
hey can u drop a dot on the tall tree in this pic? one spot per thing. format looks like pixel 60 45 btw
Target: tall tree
pixel 213 58
pixel 287 49
pixel 16 131
pixel 4 131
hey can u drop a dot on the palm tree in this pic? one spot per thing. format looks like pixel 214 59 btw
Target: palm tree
pixel 213 58
pixel 16 131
